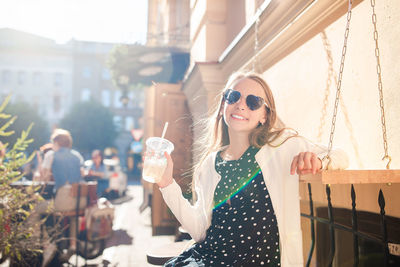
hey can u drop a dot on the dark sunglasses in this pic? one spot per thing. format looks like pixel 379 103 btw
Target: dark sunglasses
pixel 253 102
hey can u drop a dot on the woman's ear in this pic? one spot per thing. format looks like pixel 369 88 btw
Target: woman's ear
pixel 262 121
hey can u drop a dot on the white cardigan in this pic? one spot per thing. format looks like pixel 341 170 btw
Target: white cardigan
pixel 283 188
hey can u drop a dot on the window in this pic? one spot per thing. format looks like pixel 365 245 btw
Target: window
pixel 132 99
pixel 129 123
pixel 21 77
pixel 117 99
pixel 118 122
pixel 87 72
pixel 106 97
pixel 37 78
pixel 6 76
pixel 58 79
pixel 85 94
pixel 106 74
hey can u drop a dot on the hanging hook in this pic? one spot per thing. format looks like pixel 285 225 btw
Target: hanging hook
pixel 389 160
pixel 328 158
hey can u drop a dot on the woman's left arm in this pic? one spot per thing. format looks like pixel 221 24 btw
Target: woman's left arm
pixel 310 158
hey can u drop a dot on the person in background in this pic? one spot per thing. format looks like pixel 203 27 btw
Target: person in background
pixel 97 172
pixel 47 193
pixel 40 154
pixel 65 164
pixel 97 169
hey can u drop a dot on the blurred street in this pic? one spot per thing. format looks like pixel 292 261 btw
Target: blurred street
pixel 132 234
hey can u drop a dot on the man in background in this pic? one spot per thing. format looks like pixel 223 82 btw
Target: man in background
pixel 66 166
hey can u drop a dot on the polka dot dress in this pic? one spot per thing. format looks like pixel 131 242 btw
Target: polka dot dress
pixel 243 229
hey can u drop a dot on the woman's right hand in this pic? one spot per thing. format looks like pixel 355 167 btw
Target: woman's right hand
pixel 167 178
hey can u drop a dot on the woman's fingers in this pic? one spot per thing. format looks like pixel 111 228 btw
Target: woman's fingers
pixel 166 178
pixel 316 164
pixel 300 163
pixel 307 160
pixel 305 163
pixel 168 157
pixel 306 166
pixel 170 165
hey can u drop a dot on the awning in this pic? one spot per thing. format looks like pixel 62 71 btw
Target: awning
pixel 139 64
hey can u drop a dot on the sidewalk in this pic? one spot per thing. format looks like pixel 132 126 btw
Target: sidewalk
pixel 132 235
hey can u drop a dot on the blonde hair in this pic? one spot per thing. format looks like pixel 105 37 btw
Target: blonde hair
pixel 62 138
pixel 215 133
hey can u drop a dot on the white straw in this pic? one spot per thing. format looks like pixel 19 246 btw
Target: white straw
pixel 164 130
pixel 162 135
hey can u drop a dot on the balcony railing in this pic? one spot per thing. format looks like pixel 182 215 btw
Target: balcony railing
pixel 331 220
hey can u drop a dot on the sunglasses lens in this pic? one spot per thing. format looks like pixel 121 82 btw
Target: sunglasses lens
pixel 254 102
pixel 231 96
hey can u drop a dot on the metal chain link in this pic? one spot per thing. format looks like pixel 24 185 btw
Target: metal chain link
pixel 380 87
pixel 339 84
pixel 328 51
pixel 332 75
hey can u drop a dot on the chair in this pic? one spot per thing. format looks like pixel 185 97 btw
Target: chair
pixel 67 197
pixel 78 195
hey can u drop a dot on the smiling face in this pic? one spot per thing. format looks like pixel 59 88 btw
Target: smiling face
pixel 239 118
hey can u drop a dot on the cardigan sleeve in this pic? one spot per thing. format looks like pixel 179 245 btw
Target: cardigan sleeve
pixel 339 159
pixel 193 218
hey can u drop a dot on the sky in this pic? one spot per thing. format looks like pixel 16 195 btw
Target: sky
pixel 114 21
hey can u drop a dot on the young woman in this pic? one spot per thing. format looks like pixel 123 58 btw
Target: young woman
pixel 247 210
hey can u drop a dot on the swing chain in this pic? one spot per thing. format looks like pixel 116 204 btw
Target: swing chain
pixel 380 87
pixel 333 76
pixel 339 83
pixel 328 50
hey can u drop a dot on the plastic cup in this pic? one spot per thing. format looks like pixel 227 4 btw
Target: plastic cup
pixel 154 160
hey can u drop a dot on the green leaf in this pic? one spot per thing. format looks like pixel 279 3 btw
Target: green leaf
pixel 7 124
pixel 2 133
pixel 4 116
pixel 5 103
pixel 18 255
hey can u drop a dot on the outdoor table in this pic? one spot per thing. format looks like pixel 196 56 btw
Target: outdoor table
pixel 44 188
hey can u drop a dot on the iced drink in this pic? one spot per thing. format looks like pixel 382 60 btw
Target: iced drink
pixel 154 160
pixel 153 169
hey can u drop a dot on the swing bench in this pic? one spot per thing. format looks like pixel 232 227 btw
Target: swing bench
pixel 356 176
pixel 353 177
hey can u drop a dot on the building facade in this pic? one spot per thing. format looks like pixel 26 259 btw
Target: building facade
pixel 53 77
pixel 38 71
